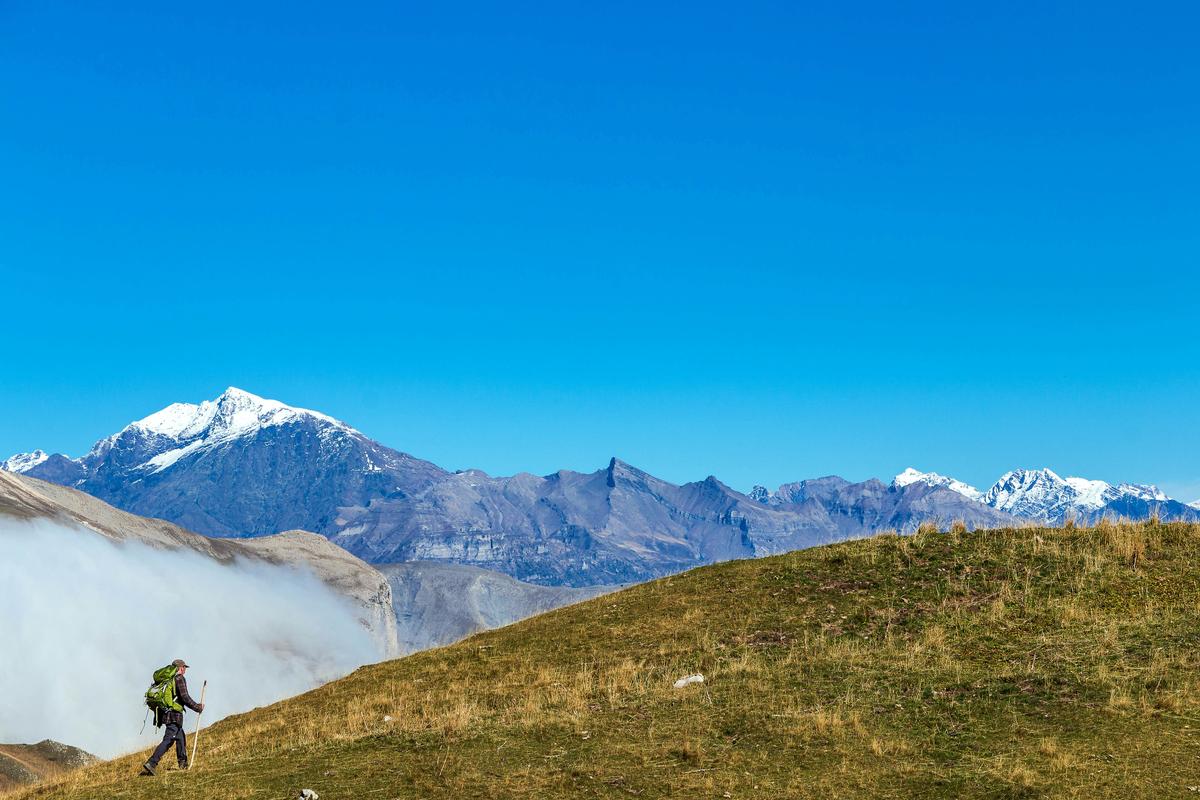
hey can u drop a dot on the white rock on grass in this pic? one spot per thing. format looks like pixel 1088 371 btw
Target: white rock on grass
pixel 688 681
pixel 308 794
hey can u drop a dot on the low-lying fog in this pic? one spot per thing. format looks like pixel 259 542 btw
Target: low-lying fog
pixel 85 621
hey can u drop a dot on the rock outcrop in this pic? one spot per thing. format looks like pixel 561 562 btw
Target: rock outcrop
pixel 438 604
pixel 26 764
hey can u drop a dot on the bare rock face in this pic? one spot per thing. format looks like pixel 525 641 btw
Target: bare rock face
pixel 25 764
pixel 622 525
pixel 346 573
pixel 438 604
pixel 30 498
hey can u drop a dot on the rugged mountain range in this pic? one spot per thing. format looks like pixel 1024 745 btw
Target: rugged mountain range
pixel 910 476
pixel 241 465
pixel 621 524
pixel 1040 495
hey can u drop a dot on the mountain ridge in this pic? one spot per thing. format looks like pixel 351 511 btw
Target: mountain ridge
pixel 243 466
pixel 1041 495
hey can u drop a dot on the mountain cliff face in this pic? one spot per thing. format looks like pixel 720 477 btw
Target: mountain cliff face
pixel 621 524
pixel 853 509
pixel 614 525
pixel 438 604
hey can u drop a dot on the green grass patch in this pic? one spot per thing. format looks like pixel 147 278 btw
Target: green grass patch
pixel 1000 664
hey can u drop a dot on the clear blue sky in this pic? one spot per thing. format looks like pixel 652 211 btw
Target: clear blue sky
pixel 762 241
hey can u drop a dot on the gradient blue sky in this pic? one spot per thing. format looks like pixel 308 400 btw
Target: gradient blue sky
pixel 762 241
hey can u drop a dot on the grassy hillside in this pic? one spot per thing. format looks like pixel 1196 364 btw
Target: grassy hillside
pixel 1025 663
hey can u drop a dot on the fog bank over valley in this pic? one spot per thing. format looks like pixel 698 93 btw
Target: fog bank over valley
pixel 85 621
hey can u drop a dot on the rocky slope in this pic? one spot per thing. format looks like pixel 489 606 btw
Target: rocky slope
pixel 438 604
pixel 870 506
pixel 26 764
pixel 30 498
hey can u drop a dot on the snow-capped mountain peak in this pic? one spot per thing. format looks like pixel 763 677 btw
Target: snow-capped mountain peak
pixel 1042 495
pixel 178 420
pixel 239 463
pixel 759 494
pixel 180 429
pixel 1033 493
pixel 23 462
pixel 233 413
pixel 1143 491
pixel 1090 494
pixel 910 476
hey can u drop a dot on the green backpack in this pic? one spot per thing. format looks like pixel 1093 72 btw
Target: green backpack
pixel 161 694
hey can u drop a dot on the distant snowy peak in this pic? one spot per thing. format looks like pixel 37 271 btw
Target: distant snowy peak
pixel 178 420
pixel 1142 491
pixel 1037 494
pixel 911 476
pixel 23 462
pixel 233 413
pixel 1042 495
pixel 183 428
pixel 1091 495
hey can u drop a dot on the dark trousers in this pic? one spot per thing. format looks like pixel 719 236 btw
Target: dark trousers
pixel 173 733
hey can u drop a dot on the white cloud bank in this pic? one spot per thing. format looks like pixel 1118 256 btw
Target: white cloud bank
pixel 85 621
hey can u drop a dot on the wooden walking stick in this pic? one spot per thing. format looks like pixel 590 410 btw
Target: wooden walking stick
pixel 196 735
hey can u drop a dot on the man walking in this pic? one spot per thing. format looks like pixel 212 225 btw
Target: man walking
pixel 173 720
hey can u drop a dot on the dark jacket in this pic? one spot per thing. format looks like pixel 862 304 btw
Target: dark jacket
pixel 184 699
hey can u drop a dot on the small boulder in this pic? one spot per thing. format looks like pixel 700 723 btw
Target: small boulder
pixel 688 681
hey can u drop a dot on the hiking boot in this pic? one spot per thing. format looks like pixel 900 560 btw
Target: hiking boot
pixel 147 768
pixel 183 765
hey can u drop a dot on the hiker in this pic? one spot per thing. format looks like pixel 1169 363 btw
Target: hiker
pixel 168 697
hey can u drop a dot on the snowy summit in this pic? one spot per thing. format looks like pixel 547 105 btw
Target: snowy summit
pixel 910 476
pixel 1041 495
pixel 154 443
pixel 236 413
pixel 23 462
